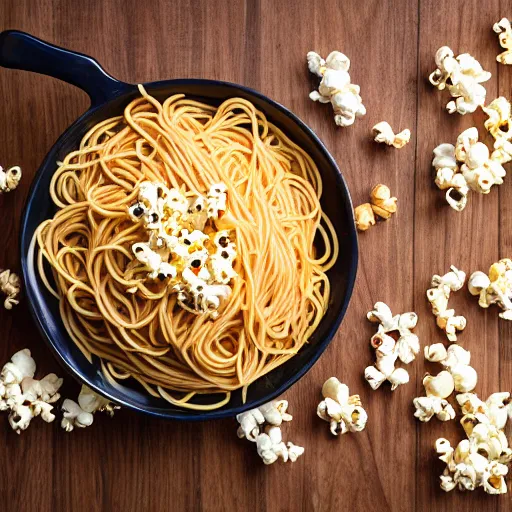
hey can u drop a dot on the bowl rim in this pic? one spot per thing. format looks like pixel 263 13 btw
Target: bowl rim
pixel 189 414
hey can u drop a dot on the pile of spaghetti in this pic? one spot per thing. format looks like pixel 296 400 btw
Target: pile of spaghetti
pixel 280 291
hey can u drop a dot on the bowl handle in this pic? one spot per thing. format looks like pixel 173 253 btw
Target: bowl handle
pixel 19 50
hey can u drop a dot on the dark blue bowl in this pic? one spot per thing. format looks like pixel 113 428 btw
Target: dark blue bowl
pixel 108 98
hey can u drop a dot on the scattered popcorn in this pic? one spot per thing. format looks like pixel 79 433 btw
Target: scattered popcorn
pixel 381 204
pixel 383 133
pixel 481 459
pixel 504 30
pixel 24 396
pixel 498 125
pixel 495 288
pixel 80 415
pixel 10 285
pixel 335 87
pixel 393 340
pixel 196 265
pixel 477 171
pixel 273 413
pixel 343 412
pixel 262 426
pixel 438 297
pixel 9 179
pixel 463 76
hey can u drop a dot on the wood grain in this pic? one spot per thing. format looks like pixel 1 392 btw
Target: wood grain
pixel 133 463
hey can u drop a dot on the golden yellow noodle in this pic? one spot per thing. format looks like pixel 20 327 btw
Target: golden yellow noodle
pixel 281 292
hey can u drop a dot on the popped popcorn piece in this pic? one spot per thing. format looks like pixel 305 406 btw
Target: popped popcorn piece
pixel 262 426
pixel 24 396
pixel 393 340
pixel 499 126
pixel 9 179
pixel 383 133
pixel 465 166
pixel 381 204
pixel 504 30
pixel 217 198
pixel 458 375
pixel 364 216
pixel 81 414
pixel 462 75
pixel 480 460
pixel 273 413
pixel 270 447
pixel 438 297
pixel 343 412
pixel 10 286
pixel 495 288
pixel 335 87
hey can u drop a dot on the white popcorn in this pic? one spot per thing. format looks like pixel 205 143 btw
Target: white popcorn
pixel 335 87
pixel 504 30
pixel 262 426
pixel 343 412
pixel 383 133
pixel 463 76
pixel 24 396
pixel 438 297
pixel 9 179
pixel 81 414
pixel 480 460
pixel 499 125
pixel 465 166
pixel 458 375
pixel 495 288
pixel 393 340
pixel 10 286
pixel 273 413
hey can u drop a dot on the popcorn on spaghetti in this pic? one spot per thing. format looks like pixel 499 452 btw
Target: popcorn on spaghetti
pixel 462 75
pixel 335 87
pixel 196 264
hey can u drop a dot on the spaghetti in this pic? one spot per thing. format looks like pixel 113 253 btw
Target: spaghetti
pixel 280 291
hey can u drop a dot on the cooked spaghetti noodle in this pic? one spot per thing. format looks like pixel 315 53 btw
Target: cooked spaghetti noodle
pixel 281 290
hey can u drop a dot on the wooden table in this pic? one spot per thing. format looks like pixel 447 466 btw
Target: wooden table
pixel 134 462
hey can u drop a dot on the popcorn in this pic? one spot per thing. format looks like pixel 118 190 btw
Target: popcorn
pixel 10 179
pixel 438 297
pixel 10 286
pixel 480 460
pixel 504 30
pixel 81 414
pixel 195 265
pixel 262 426
pixel 335 87
pixel 393 340
pixel 24 396
pixel 499 125
pixel 463 76
pixel 478 171
pixel 343 412
pixel 382 205
pixel 495 288
pixel 458 375
pixel 383 133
